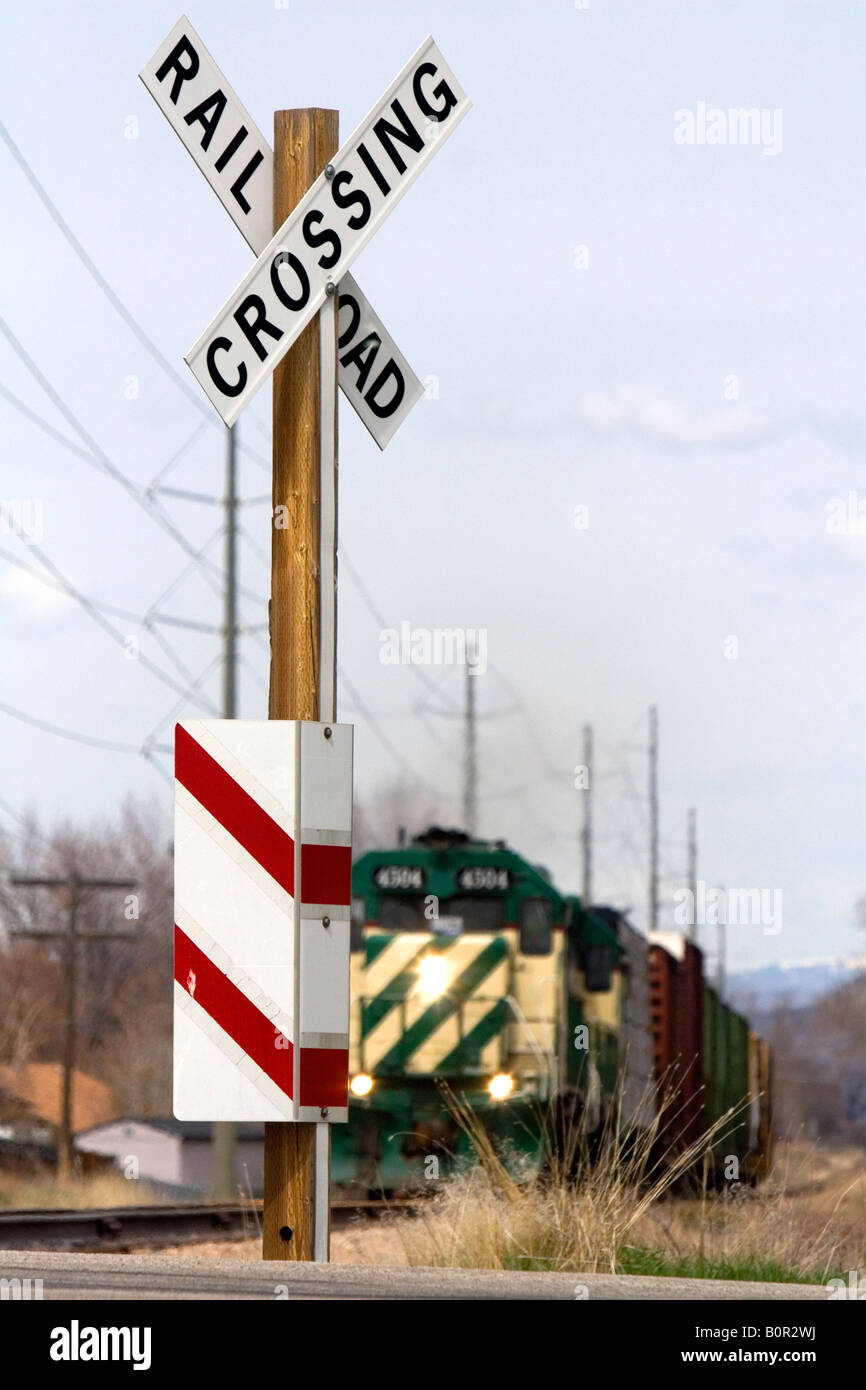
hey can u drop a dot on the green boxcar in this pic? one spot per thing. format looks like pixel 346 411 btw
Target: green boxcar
pixel 726 1076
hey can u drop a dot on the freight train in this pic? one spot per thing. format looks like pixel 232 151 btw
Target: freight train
pixel 469 967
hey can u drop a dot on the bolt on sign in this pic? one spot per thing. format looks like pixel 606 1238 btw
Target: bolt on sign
pixel 263 863
pixel 319 240
pixel 238 163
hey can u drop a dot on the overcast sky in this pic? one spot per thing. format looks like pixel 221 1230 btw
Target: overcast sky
pixel 666 334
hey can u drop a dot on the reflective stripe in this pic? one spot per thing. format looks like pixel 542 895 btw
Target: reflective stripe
pixel 404 1030
pixel 444 1041
pixel 477 1038
pixel 483 958
pixel 388 962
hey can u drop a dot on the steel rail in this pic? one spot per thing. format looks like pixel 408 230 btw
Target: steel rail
pixel 121 1228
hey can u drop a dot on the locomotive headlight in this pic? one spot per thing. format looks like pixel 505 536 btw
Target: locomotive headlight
pixel 361 1085
pixel 433 977
pixel 501 1086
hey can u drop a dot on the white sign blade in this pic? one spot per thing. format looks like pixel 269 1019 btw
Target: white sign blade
pixel 325 232
pixel 238 163
pixel 374 374
pixel 216 129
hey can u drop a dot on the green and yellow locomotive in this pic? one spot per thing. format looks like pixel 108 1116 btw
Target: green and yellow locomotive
pixel 470 968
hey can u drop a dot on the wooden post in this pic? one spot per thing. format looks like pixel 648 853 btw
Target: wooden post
pixel 304 142
pixel 65 1155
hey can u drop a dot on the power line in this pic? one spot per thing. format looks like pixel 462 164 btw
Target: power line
pixel 99 618
pixel 99 458
pixel 550 770
pixel 169 651
pixel 378 617
pixel 193 396
pixel 381 735
pixel 68 733
pixel 179 704
pixel 95 455
pixel 253 545
pixel 116 303
pixel 191 624
pixel 185 494
pixel 178 454
pixel 143 620
pixel 166 776
pixel 53 584
pixel 147 621
pixel 455 712
pixel 44 425
pixel 252 672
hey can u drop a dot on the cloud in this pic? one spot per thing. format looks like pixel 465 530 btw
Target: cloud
pixel 26 602
pixel 662 420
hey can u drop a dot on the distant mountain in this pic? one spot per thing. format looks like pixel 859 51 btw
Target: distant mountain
pixel 799 982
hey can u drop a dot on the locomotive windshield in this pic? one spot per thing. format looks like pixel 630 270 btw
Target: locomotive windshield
pixel 412 913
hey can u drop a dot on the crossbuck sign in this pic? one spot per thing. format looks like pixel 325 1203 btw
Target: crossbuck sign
pixel 238 163
pixel 321 237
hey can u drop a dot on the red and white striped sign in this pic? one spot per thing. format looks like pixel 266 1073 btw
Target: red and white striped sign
pixel 263 866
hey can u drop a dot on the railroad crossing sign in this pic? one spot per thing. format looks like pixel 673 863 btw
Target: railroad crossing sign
pixel 308 257
pixel 263 864
pixel 237 161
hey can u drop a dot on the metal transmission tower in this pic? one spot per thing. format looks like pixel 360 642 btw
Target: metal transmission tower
pixel 470 764
pixel 722 947
pixel 76 890
pixel 224 1134
pixel 586 829
pixel 693 871
pixel 653 819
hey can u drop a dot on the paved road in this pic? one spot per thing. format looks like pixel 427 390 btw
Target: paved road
pixel 76 1276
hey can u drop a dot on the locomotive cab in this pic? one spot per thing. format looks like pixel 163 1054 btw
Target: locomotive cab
pixel 460 952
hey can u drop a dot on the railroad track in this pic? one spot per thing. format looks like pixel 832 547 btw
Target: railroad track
pixel 126 1228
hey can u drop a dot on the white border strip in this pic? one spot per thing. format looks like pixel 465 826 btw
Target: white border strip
pixel 327 511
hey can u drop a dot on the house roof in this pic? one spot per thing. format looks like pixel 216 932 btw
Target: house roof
pixel 35 1091
pixel 187 1130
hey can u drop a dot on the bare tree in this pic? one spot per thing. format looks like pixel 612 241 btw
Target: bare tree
pixel 125 999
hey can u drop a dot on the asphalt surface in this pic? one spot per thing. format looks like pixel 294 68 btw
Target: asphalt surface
pixel 105 1277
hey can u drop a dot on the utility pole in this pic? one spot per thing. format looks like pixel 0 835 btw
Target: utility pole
pixel 586 830
pixel 653 819
pixel 302 627
pixel 470 762
pixel 720 968
pixel 76 889
pixel 224 1135
pixel 693 871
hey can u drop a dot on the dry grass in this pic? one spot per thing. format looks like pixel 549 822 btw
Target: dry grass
pixel 807 1222
pixel 620 1213
pixel 46 1191
pixel 581 1217
pixel 785 1230
pixel 809 1218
